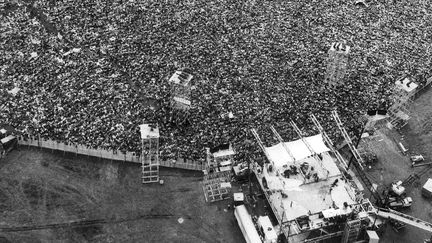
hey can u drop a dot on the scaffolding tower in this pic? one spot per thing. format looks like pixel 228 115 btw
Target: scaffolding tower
pixel 181 94
pixel 150 152
pixel 351 231
pixel 337 63
pixel 217 176
pixel 402 96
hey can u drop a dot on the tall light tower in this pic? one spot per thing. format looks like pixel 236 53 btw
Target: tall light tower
pixel 337 63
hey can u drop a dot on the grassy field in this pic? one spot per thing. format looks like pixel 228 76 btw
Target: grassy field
pixel 39 188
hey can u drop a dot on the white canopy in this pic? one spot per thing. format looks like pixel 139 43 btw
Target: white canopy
pixel 148 132
pixel 298 149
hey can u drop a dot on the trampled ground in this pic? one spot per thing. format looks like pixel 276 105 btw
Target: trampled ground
pixel 39 188
pixel 393 165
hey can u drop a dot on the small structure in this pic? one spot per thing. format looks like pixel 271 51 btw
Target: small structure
pixel 267 229
pixel 220 158
pixel 150 152
pixel 217 175
pixel 427 189
pixel 337 63
pixel 403 94
pixel 181 88
pixel 238 198
pixel 373 236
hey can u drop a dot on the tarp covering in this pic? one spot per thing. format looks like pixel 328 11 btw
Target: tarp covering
pixel 298 149
pixel 147 131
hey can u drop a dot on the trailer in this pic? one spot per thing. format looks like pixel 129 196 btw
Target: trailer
pixel 246 225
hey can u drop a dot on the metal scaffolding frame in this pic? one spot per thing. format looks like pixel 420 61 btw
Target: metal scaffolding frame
pixel 278 136
pixel 347 138
pixel 337 63
pixel 150 153
pixel 351 231
pixel 398 112
pixel 300 134
pixel 329 142
pixel 212 181
pixel 181 90
pixel 260 143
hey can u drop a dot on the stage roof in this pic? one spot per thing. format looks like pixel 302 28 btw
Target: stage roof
pixel 280 157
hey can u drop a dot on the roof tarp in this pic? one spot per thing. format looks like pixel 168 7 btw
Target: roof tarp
pixel 298 149
pixel 149 131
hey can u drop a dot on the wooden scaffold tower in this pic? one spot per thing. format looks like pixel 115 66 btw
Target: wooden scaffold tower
pixel 150 152
pixel 181 101
pixel 337 63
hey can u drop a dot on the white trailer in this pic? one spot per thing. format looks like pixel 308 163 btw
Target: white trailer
pixel 246 225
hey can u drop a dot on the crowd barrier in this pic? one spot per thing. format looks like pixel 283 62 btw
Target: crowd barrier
pixel 104 154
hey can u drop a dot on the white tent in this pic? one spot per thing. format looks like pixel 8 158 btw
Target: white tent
pixel 298 149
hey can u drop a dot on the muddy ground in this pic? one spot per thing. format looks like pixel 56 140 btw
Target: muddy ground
pixel 393 165
pixel 104 201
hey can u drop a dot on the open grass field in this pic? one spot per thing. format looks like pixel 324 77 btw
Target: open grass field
pixel 104 202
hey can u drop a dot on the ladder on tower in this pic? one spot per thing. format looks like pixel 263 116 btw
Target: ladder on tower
pixel 150 153
pixel 358 159
pixel 328 141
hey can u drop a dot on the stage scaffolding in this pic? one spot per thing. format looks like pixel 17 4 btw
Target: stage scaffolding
pixel 300 229
pixel 150 152
pixel 337 63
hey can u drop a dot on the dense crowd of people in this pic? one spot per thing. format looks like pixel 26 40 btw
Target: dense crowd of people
pixel 91 71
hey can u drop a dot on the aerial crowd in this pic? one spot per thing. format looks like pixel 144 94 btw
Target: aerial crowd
pixel 89 72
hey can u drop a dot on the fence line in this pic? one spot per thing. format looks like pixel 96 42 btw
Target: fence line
pixel 104 154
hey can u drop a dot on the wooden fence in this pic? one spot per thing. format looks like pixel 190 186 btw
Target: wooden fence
pixel 105 154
